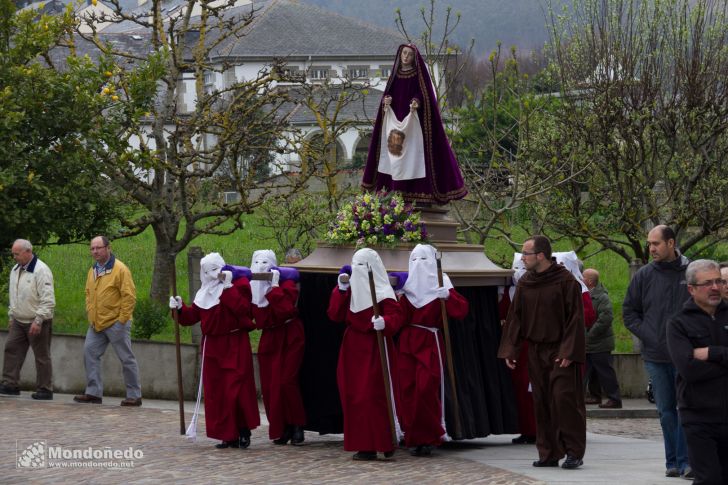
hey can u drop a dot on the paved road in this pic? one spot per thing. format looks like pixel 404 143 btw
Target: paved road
pixel 154 431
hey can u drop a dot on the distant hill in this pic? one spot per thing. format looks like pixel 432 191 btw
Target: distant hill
pixel 513 22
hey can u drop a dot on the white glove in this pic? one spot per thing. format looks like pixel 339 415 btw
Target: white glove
pixel 443 293
pixel 378 323
pixel 343 281
pixel 276 277
pixel 175 302
pixel 227 278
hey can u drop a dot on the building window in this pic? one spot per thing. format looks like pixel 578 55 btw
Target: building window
pixel 291 74
pixel 319 73
pixel 209 81
pixel 358 72
pixel 385 71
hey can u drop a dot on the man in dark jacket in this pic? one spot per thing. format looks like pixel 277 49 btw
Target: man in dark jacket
pixel 697 338
pixel 657 291
pixel 547 312
pixel 600 343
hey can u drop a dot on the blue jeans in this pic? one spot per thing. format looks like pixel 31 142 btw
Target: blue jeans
pixel 663 385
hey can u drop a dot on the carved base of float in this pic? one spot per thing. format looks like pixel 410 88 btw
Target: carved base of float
pixel 466 264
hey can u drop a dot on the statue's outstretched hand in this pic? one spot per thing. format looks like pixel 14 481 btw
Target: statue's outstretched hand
pixel 414 104
pixel 387 100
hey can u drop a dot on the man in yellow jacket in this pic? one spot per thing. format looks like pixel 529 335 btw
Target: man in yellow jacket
pixel 110 300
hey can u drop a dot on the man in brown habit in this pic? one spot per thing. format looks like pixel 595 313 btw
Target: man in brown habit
pixel 547 311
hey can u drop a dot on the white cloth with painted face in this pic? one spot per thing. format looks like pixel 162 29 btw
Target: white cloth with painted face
pixel 263 261
pixel 570 261
pixel 422 286
pixel 408 161
pixel 212 287
pixel 361 297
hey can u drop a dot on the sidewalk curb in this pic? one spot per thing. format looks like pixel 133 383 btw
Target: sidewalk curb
pixel 621 413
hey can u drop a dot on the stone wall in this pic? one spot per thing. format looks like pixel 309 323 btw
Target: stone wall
pixel 158 369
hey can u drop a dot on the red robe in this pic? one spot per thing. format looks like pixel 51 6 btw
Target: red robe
pixel 420 407
pixel 590 315
pixel 359 373
pixel 280 354
pixel 227 378
pixel 521 382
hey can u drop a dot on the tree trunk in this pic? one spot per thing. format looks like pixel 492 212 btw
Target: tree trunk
pixel 164 261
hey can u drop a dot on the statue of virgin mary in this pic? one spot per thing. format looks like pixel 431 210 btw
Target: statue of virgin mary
pixel 409 151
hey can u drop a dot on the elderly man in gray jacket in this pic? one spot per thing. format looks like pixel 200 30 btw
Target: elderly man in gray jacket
pixel 600 343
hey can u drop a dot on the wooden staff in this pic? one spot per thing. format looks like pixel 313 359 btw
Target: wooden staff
pixel 383 358
pixel 180 392
pixel 448 351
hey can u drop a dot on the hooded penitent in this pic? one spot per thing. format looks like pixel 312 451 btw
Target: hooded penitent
pixel 262 262
pixel 421 286
pixel 209 293
pixel 361 296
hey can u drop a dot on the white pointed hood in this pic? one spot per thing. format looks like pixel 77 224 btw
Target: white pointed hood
pixel 421 286
pixel 209 293
pixel 361 297
pixel 262 262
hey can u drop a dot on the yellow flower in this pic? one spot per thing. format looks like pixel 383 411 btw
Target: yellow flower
pixel 115 98
pixel 94 2
pixel 106 90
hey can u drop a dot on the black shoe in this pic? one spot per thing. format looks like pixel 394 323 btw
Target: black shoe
pixel 572 462
pixel 297 437
pixel 545 463
pixel 227 444
pixel 422 450
pixel 388 454
pixel 610 404
pixel 9 391
pixel 244 441
pixel 524 439
pixel 365 456
pixel 286 436
pixel 42 395
pixel 87 399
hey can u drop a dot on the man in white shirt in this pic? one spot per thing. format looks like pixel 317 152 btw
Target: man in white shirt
pixel 30 311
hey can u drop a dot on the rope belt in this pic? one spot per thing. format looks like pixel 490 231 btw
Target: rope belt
pixel 191 432
pixel 397 427
pixel 434 331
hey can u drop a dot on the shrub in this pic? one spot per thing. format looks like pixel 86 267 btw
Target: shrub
pixel 150 318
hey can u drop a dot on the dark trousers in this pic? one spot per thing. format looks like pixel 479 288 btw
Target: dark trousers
pixel 708 452
pixel 558 398
pixel 16 348
pixel 600 375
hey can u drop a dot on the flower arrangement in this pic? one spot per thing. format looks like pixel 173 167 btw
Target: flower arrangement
pixel 379 218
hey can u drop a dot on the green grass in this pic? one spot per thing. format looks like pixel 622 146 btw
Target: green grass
pixel 70 264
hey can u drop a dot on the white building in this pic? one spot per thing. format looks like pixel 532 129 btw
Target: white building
pixel 315 44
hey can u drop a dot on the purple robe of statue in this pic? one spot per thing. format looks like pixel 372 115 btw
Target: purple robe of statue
pixel 443 180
